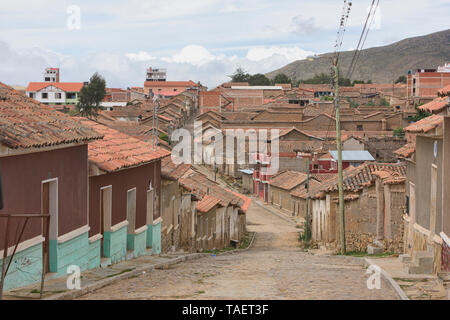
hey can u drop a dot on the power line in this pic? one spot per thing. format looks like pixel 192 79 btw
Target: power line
pixel 363 37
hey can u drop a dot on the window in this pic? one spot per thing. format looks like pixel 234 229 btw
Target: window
pixel 359 127
pixel 71 95
pixel 44 95
pixel 31 94
pixel 316 166
pixel 58 95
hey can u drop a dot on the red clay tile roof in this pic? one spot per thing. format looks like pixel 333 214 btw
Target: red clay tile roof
pixel 117 150
pixel 300 191
pixel 247 200
pixel 287 180
pixel 426 124
pixel 390 177
pixel 321 177
pixel 356 178
pixel 445 91
pixel 435 106
pixel 65 86
pixel 172 171
pixel 207 203
pixel 199 185
pixel 406 151
pixel 300 146
pixel 189 83
pixel 25 123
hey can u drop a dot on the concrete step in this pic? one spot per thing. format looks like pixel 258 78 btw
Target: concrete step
pixel 411 268
pixel 374 249
pixel 422 263
pixel 444 278
pixel 405 258
pixel 424 258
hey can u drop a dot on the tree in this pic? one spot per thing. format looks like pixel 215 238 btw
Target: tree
pixel 259 80
pixel 401 79
pixel 91 95
pixel 384 103
pixel 240 75
pixel 419 114
pixel 281 78
pixel 399 132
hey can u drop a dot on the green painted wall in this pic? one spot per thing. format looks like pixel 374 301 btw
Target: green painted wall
pixel 25 269
pixel 140 244
pixel 115 244
pixel 156 236
pixel 94 254
pixel 149 235
pixel 72 252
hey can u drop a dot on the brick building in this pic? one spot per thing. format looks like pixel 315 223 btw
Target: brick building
pixel 425 83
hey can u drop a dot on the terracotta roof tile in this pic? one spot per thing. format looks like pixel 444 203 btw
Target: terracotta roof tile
pixel 189 83
pixel 65 86
pixel 426 124
pixel 172 171
pixel 247 201
pixel 445 91
pixel 25 123
pixel 200 186
pixel 406 151
pixel 356 178
pixel 300 192
pixel 207 203
pixel 435 106
pixel 117 150
pixel 287 180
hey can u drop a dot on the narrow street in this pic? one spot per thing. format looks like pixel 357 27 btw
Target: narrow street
pixel 274 268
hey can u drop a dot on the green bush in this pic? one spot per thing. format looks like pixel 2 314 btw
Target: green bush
pixel 399 132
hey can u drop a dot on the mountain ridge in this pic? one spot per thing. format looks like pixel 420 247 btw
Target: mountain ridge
pixel 383 64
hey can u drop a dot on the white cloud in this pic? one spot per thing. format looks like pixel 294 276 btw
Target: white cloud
pixel 193 54
pixel 290 53
pixel 193 62
pixel 140 56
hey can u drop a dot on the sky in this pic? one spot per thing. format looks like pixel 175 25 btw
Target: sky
pixel 199 40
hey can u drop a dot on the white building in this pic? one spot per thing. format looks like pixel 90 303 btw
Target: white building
pixel 51 75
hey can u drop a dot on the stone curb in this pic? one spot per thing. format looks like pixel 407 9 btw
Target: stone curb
pixel 367 262
pixel 107 281
pixel 391 281
pixel 267 208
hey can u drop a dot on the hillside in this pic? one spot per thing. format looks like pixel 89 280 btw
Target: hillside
pixel 379 64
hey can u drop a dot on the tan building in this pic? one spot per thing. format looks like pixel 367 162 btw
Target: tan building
pixel 374 207
pixel 280 187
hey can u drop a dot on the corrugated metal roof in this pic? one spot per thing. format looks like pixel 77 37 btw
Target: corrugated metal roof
pixel 353 155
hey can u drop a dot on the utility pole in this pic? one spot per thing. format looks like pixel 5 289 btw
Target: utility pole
pixel 339 151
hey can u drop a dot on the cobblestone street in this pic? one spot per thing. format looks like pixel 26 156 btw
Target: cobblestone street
pixel 274 268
